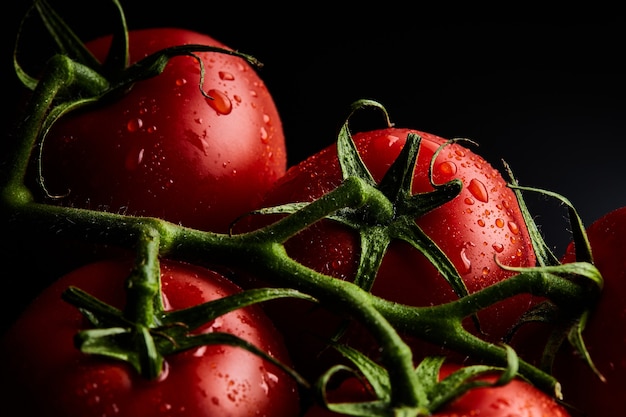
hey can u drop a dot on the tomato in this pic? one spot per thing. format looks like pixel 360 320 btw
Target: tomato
pixel 163 149
pixel 482 223
pixel 605 331
pixel 44 374
pixel 517 398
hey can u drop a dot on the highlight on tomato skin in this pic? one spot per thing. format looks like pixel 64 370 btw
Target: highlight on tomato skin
pixel 482 224
pixel 165 150
pixel 47 375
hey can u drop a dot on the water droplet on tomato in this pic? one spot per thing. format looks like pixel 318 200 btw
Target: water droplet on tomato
pixel 498 247
pixel 481 222
pixel 151 129
pixel 469 201
pixel 253 93
pixel 198 120
pixel 237 98
pixel 264 135
pixel 226 76
pixel 478 190
pixel 499 222
pixel 266 119
pixel 164 407
pixel 220 102
pixel 485 271
pixel 447 168
pixel 134 125
pixel 513 228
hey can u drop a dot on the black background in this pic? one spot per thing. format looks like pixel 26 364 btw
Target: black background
pixel 544 93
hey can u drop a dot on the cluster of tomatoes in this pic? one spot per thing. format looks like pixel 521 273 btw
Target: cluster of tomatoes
pixel 200 146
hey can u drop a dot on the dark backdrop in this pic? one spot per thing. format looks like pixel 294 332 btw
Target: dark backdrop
pixel 546 95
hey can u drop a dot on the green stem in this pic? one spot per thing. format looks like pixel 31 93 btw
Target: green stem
pixel 144 304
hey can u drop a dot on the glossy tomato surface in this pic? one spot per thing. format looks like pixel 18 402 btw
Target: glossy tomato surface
pixel 605 331
pixel 44 374
pixel 165 150
pixel 479 225
pixel 515 399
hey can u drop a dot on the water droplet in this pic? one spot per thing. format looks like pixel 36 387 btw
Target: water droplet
pixel 221 103
pixel 499 222
pixel 264 135
pixel 181 81
pixel 253 93
pixel 469 201
pixel 478 190
pixel 513 228
pixel 447 168
pixel 226 76
pixel 266 119
pixel 498 247
pixel 134 125
pixel 151 129
pixel 198 120
pixel 485 271
pixel 237 98
pixel 481 222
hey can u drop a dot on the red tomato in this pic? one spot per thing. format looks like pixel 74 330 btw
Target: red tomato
pixel 517 398
pixel 44 374
pixel 481 223
pixel 605 332
pixel 165 150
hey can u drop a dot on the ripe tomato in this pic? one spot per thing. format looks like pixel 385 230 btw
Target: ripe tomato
pixel 44 374
pixel 605 331
pixel 163 149
pixel 517 398
pixel 482 222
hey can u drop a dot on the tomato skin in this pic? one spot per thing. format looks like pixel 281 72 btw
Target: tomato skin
pixel 46 373
pixel 517 398
pixel 482 222
pixel 605 331
pixel 163 149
